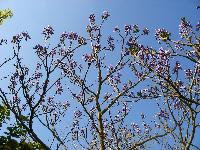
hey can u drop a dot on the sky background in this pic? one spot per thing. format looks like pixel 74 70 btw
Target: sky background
pixel 72 15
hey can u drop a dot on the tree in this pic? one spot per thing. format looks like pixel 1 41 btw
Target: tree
pixel 104 90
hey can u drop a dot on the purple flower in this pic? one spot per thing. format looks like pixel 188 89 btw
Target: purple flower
pixel 26 35
pixel 177 104
pixel 105 15
pixel 77 114
pixel 63 36
pixel 59 89
pixel 163 114
pixel 145 31
pixel 53 52
pixel 111 44
pixel 185 28
pixel 131 42
pixel 40 50
pixel 136 128
pixel 127 28
pixel 189 73
pixel 92 18
pixel 88 58
pixel 116 29
pixel 162 34
pixel 73 36
pixel 48 31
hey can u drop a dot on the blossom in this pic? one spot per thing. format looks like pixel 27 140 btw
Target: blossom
pixel 88 58
pixel 145 31
pixel 59 87
pixel 40 50
pixel 162 34
pixel 127 28
pixel 185 28
pixel 26 35
pixel 77 114
pixel 136 128
pixel 131 42
pixel 47 32
pixel 73 36
pixel 63 36
pixel 189 73
pixel 105 15
pixel 116 29
pixel 163 114
pixel 92 18
pixel 111 44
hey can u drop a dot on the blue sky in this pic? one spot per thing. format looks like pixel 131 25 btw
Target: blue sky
pixel 72 15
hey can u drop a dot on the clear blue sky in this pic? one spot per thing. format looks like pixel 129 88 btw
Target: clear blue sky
pixel 72 15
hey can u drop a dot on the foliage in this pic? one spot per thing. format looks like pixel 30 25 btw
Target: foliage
pixel 105 105
pixel 5 14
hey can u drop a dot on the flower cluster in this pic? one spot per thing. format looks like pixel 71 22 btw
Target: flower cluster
pixel 63 36
pixel 136 128
pixel 116 29
pixel 145 31
pixel 189 73
pixel 13 82
pixel 105 15
pixel 26 35
pixel 59 88
pixel 66 104
pixel 40 50
pixel 162 34
pixel 92 18
pixel 146 128
pixel 127 29
pixel 111 45
pixel 47 32
pixel 17 38
pixel 177 104
pixel 73 36
pixel 89 58
pixel 163 114
pixel 77 114
pixel 185 28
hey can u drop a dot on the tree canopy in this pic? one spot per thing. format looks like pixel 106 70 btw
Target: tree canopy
pixel 105 92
